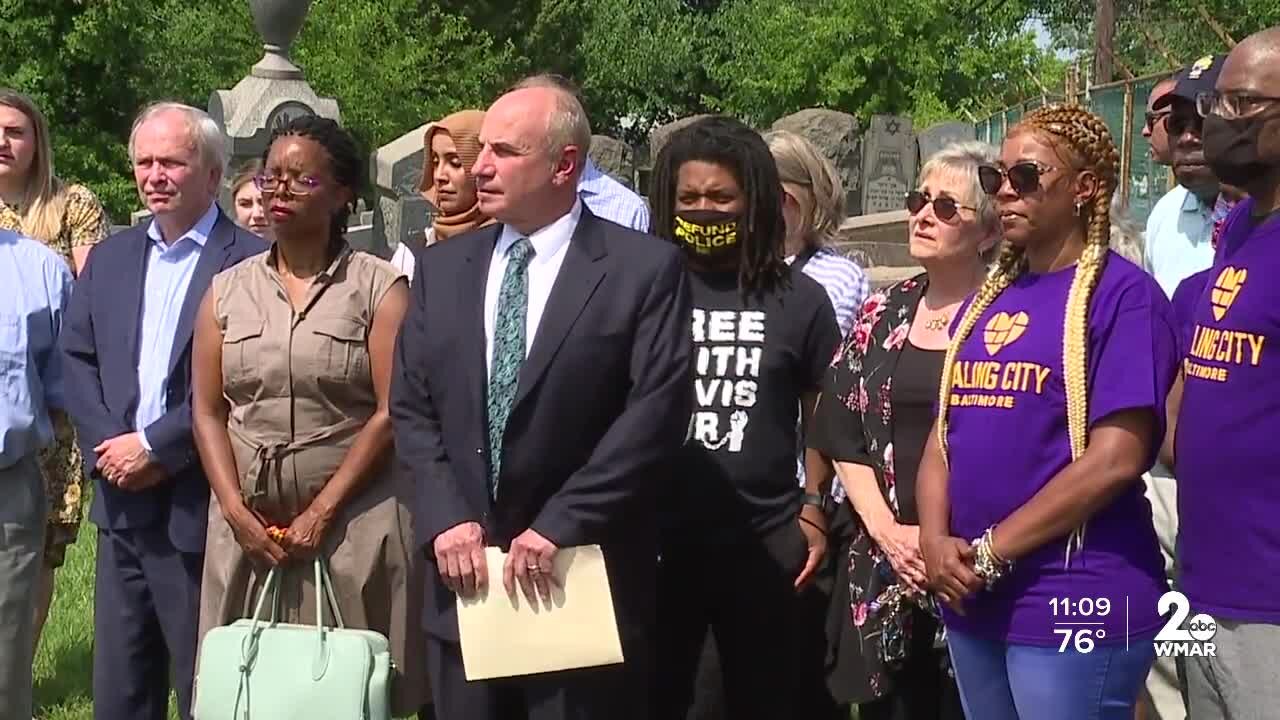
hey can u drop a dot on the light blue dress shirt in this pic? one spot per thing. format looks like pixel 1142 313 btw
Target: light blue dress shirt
pixel 1179 238
pixel 169 271
pixel 35 285
pixel 609 199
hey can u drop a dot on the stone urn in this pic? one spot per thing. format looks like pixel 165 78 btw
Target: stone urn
pixel 278 23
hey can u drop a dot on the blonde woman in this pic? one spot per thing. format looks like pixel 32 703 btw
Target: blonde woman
pixel 246 199
pixel 70 220
pixel 873 420
pixel 1032 514
pixel 813 206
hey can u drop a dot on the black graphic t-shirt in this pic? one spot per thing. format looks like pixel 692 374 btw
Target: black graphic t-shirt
pixel 753 362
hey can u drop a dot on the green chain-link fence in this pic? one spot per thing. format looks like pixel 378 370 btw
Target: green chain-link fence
pixel 1122 106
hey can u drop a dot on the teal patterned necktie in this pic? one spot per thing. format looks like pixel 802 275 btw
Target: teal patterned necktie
pixel 508 350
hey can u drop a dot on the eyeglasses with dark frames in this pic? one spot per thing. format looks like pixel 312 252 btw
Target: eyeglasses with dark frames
pixel 944 207
pixel 300 186
pixel 1024 177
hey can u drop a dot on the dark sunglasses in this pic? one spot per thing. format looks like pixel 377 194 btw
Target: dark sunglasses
pixel 944 207
pixel 1155 118
pixel 1180 122
pixel 1024 177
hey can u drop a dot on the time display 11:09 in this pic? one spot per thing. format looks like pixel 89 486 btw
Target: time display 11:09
pixel 1084 607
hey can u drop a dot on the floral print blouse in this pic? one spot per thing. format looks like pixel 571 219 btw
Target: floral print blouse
pixel 854 423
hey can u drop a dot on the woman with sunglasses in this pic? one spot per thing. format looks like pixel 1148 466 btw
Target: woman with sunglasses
pixel 875 413
pixel 1035 532
pixel 291 373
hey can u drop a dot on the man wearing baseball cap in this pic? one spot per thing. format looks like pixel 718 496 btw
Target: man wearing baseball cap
pixel 1178 245
pixel 1180 227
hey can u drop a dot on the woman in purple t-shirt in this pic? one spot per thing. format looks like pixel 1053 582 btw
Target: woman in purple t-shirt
pixel 1051 408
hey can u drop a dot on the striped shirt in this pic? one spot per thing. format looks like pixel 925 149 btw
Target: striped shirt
pixel 609 199
pixel 847 286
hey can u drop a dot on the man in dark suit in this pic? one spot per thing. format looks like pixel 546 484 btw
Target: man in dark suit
pixel 542 382
pixel 127 349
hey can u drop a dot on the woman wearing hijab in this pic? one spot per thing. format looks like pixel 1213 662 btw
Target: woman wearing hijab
pixel 450 147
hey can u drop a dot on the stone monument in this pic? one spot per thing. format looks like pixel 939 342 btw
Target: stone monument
pixel 274 91
pixel 941 135
pixel 888 163
pixel 836 134
pixel 400 213
pixel 614 158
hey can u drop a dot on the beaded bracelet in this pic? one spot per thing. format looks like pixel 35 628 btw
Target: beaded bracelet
pixel 986 564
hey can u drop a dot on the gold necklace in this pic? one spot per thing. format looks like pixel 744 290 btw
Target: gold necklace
pixel 938 323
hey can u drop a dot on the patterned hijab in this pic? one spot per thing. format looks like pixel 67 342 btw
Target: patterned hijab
pixel 464 128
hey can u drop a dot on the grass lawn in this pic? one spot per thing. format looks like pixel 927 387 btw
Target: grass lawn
pixel 64 662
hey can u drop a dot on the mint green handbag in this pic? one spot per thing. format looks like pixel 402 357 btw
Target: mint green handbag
pixel 265 670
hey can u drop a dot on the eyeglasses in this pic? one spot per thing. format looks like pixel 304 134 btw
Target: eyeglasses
pixel 1231 105
pixel 1180 122
pixel 1024 177
pixel 1154 118
pixel 944 207
pixel 300 186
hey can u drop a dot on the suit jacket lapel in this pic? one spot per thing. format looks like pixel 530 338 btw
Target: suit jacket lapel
pixel 578 277
pixel 213 258
pixel 133 283
pixel 471 292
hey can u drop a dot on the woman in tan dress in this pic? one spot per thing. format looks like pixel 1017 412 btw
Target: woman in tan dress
pixel 69 219
pixel 292 368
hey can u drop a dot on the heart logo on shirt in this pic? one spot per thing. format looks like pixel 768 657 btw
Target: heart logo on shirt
pixel 1225 290
pixel 1003 329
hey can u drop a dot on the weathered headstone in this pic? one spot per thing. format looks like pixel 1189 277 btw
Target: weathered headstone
pixel 941 135
pixel 274 91
pixel 836 134
pixel 888 163
pixel 614 158
pixel 659 136
pixel 400 213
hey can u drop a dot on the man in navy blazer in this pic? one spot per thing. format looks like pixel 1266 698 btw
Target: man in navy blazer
pixel 127 354
pixel 542 381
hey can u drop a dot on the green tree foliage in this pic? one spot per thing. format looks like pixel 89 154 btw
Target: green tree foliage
pixel 1158 35
pixel 92 64
pixel 920 57
pixel 394 64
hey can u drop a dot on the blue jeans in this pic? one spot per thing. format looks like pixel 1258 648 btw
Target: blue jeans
pixel 999 681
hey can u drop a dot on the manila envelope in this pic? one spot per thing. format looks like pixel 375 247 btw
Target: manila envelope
pixel 504 636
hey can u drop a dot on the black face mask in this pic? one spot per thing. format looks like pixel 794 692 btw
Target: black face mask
pixel 1231 149
pixel 708 235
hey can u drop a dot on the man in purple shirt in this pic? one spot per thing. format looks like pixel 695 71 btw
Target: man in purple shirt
pixel 1227 461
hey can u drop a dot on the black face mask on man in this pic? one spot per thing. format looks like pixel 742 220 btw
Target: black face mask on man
pixel 1231 149
pixel 708 235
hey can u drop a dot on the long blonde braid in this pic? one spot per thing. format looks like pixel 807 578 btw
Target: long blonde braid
pixel 1088 136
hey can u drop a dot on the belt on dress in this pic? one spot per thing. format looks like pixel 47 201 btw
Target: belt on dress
pixel 268 458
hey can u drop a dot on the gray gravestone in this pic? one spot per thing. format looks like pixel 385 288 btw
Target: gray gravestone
pixel 274 91
pixel 401 214
pixel 941 135
pixel 614 158
pixel 659 135
pixel 836 134
pixel 888 163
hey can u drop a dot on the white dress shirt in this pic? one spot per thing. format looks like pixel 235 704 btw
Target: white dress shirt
pixel 170 266
pixel 549 246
